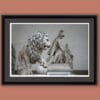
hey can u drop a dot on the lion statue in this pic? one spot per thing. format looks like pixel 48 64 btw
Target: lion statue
pixel 31 53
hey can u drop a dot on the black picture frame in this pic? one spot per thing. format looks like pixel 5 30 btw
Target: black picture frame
pixel 91 80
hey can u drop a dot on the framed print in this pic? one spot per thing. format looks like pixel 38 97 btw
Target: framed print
pixel 49 49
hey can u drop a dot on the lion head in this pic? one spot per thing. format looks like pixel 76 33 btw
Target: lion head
pixel 40 40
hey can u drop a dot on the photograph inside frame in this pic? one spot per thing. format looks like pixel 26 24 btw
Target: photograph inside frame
pixel 49 49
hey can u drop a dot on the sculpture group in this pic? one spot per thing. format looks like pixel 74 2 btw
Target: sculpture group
pixel 31 54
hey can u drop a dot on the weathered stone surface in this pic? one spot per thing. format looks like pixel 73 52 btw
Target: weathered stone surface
pixel 13 59
pixel 59 54
pixel 31 53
